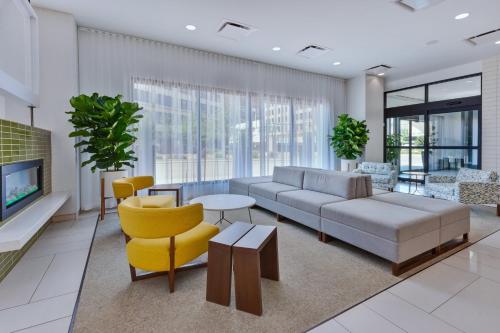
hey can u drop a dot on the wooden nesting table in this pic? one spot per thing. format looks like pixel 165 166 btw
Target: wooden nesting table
pixel 254 251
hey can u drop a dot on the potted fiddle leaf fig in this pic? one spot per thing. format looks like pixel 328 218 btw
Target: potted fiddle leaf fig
pixel 349 138
pixel 107 129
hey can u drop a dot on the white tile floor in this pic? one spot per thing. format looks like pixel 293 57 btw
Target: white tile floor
pixel 40 293
pixel 458 294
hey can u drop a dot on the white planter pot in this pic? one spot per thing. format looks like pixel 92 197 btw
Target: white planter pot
pixel 108 177
pixel 347 165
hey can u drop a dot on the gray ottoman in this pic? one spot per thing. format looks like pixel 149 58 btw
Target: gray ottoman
pixel 393 232
pixel 454 216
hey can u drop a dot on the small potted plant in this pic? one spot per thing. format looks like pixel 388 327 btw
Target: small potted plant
pixel 106 126
pixel 349 138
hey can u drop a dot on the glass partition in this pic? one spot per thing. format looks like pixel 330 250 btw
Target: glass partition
pixel 454 129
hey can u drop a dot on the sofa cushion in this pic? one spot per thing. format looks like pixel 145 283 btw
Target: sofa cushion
pixel 381 179
pixel 335 183
pixel 449 211
pixel 392 222
pixel 270 190
pixel 376 168
pixel 473 175
pixel 447 190
pixel 309 201
pixel 293 176
pixel 243 183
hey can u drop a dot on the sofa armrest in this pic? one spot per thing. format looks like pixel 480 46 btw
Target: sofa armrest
pixel 440 179
pixel 478 192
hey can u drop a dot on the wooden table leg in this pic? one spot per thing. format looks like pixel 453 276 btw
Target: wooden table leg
pixel 219 274
pixel 247 281
pixel 269 266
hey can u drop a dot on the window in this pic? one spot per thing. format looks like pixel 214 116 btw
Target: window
pixel 467 87
pixel 439 135
pixel 224 134
pixel 405 97
pixel 276 134
pixel 193 134
pixel 312 125
pixel 168 131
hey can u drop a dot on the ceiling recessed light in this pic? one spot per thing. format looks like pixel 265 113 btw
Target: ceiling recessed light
pixel 191 27
pixel 461 16
pixel 336 63
pixel 276 48
pixel 381 74
pixel 497 42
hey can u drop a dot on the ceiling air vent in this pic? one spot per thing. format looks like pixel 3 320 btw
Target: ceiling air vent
pixel 312 51
pixel 490 37
pixel 235 30
pixel 418 4
pixel 379 70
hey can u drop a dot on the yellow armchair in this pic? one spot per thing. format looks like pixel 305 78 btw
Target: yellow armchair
pixel 128 187
pixel 150 233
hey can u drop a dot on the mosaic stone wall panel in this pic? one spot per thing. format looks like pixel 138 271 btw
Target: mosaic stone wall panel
pixel 20 142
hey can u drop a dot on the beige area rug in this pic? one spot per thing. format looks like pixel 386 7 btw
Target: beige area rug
pixel 318 280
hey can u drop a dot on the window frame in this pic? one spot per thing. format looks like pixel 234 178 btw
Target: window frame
pixel 438 107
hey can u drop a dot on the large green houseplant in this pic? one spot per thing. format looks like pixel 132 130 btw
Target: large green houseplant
pixel 106 127
pixel 349 138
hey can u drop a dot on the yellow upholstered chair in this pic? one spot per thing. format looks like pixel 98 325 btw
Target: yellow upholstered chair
pixel 127 187
pixel 150 233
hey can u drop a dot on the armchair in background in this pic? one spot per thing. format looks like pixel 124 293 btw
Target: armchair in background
pixel 128 187
pixel 469 186
pixel 383 174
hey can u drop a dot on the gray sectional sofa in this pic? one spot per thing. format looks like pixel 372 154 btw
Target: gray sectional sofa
pixel 394 226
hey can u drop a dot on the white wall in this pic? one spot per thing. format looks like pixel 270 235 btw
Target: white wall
pixel 58 83
pixel 490 113
pixel 375 118
pixel 442 74
pixel 356 97
pixel 365 101
pixel 13 109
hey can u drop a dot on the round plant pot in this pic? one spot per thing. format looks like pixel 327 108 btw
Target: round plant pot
pixel 108 177
pixel 347 165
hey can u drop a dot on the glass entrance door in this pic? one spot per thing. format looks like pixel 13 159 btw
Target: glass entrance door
pixel 405 142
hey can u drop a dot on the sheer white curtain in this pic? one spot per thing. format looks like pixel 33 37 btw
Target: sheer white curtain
pixel 311 126
pixel 192 97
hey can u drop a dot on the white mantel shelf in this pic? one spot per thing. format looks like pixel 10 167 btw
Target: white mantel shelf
pixel 22 227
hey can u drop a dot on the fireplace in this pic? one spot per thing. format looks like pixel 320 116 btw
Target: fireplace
pixel 21 184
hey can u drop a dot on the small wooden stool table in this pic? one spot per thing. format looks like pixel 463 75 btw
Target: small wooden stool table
pixel 220 262
pixel 255 255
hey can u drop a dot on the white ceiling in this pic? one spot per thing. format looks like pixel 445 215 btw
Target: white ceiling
pixel 361 33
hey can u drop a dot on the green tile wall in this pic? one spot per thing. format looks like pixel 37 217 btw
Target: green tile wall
pixel 20 142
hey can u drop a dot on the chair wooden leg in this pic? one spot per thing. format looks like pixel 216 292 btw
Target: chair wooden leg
pixel 279 218
pixel 133 273
pixel 171 280
pixel 171 272
pixel 465 237
pixel 498 209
